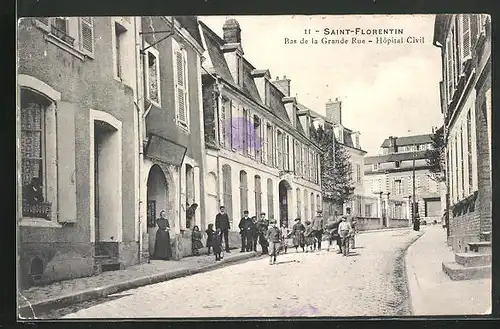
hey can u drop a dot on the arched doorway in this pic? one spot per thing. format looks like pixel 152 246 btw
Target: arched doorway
pixel 284 200
pixel 157 196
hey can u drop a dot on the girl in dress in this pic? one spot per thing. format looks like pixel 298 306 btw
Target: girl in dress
pixel 196 240
pixel 163 250
pixel 217 244
pixel 210 236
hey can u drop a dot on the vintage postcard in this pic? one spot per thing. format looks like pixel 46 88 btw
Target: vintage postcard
pixel 254 166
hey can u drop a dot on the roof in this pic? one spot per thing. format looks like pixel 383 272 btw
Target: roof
pixel 190 23
pixel 395 157
pixel 439 28
pixel 409 140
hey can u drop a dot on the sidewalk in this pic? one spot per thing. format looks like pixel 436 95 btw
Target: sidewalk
pixel 432 292
pixel 60 294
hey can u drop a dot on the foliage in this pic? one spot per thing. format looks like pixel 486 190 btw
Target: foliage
pixel 436 157
pixel 336 169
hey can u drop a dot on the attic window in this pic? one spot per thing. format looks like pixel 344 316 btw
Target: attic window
pixel 268 93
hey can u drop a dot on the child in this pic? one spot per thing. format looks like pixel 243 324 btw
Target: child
pixel 217 244
pixel 284 232
pixel 309 236
pixel 210 236
pixel 273 236
pixel 196 240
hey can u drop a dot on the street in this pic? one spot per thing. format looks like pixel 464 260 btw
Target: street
pixel 370 282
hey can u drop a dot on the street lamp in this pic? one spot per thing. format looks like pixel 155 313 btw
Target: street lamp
pixel 416 225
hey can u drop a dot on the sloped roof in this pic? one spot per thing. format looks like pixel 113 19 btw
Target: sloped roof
pixel 395 157
pixel 213 43
pixel 409 140
pixel 190 23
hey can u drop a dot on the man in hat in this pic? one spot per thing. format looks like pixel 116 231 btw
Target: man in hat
pixel 245 232
pixel 344 233
pixel 317 227
pixel 262 226
pixel 222 223
pixel 274 238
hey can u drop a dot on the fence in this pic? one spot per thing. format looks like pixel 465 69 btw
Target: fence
pixel 374 223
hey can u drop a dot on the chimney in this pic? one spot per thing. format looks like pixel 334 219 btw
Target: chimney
pixel 283 85
pixel 232 31
pixel 392 144
pixel 334 111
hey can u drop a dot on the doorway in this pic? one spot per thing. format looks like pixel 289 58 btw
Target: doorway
pixel 157 196
pixel 284 188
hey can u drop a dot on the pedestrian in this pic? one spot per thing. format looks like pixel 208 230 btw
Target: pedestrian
pixel 273 236
pixel 331 230
pixel 245 226
pixel 255 233
pixel 416 222
pixel 162 249
pixel 297 233
pixel 190 213
pixel 344 233
pixel 196 240
pixel 263 225
pixel 217 244
pixel 309 236
pixel 210 236
pixel 222 223
pixel 318 226
pixel 284 232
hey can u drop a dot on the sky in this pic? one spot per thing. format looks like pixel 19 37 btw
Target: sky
pixel 386 90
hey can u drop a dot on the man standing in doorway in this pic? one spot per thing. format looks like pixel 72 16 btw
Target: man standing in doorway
pixel 317 227
pixel 222 223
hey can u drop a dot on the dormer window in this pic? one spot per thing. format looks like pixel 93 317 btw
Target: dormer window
pixel 375 166
pixel 268 93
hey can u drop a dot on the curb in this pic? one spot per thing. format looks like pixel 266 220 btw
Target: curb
pixel 90 294
pixel 409 280
pixel 385 230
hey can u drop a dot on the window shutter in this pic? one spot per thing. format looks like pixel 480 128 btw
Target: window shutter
pixel 466 36
pixel 180 84
pixel 222 123
pixel 66 174
pixel 87 35
pixel 449 68
pixel 234 128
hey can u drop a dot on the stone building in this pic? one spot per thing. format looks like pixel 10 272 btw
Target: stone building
pixel 259 156
pixel 465 43
pixel 389 178
pixel 77 147
pixel 350 140
pixel 173 149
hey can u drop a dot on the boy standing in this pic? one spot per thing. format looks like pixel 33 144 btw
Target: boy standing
pixel 274 238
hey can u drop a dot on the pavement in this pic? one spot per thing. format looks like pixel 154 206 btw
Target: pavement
pixel 299 284
pixel 38 300
pixel 432 292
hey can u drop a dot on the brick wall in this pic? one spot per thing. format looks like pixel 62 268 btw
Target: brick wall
pixel 464 229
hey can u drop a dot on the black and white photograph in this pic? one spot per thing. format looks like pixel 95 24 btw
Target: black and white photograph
pixel 267 166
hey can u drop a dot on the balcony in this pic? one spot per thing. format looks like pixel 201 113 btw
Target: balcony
pixel 38 210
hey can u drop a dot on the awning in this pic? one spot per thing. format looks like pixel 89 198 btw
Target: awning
pixel 166 151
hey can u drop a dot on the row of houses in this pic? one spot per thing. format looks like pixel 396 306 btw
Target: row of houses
pixel 123 117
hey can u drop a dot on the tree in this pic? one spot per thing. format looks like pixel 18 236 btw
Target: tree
pixel 337 183
pixel 436 157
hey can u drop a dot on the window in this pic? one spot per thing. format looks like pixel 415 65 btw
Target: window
pixel 465 31
pixel 227 190
pixel 299 205
pixel 33 156
pixel 306 205
pixel 236 143
pixel 257 136
pixel 153 76
pixel 189 192
pixel 245 140
pixel 318 202
pixel 302 162
pixel 268 93
pixel 239 70
pixel 270 201
pixel 243 191
pixel 375 166
pixel 368 210
pixel 397 164
pixel 285 153
pixel 181 84
pixel 449 69
pixel 225 124
pixel 296 156
pixel 258 196
pixel 462 174
pixel 280 150
pixel 469 149
pixel 75 32
pixel 269 142
pixel 457 161
pixel 119 53
pixel 312 203
pixel 398 187
pixel 358 173
pixel 398 210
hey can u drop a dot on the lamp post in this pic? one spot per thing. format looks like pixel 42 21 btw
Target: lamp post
pixel 416 226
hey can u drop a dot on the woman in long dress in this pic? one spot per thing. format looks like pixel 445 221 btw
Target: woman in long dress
pixel 163 249
pixel 298 230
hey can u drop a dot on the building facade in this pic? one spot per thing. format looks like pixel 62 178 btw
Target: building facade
pixel 389 179
pixel 173 148
pixel 259 156
pixel 77 148
pixel 350 140
pixel 465 42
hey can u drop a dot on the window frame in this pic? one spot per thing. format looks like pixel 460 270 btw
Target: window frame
pixel 178 48
pixel 153 51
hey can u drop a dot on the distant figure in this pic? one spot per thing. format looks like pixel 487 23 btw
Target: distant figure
pixel 217 244
pixel 190 212
pixel 262 226
pixel 309 236
pixel 255 233
pixel 210 236
pixel 331 229
pixel 345 230
pixel 33 192
pixel 274 238
pixel 284 232
pixel 196 240
pixel 317 227
pixel 416 222
pixel 297 233
pixel 222 223
pixel 245 226
pixel 162 250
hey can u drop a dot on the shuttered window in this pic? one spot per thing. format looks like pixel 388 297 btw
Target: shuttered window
pixel 469 150
pixel 306 205
pixel 181 85
pixel 235 129
pixel 258 196
pixel 270 199
pixel 270 148
pixel 299 205
pixel 449 70
pixel 465 25
pixel 243 191
pixel 280 150
pixel 87 35
pixel 227 190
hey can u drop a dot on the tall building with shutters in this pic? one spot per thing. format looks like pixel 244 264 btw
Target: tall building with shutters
pixel 173 133
pixel 465 43
pixel 389 181
pixel 260 157
pixel 77 146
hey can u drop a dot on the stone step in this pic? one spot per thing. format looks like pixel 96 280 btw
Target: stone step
pixel 486 236
pixel 481 247
pixel 473 259
pixel 459 272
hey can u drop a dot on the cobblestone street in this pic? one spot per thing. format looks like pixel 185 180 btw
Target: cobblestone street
pixel 301 284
